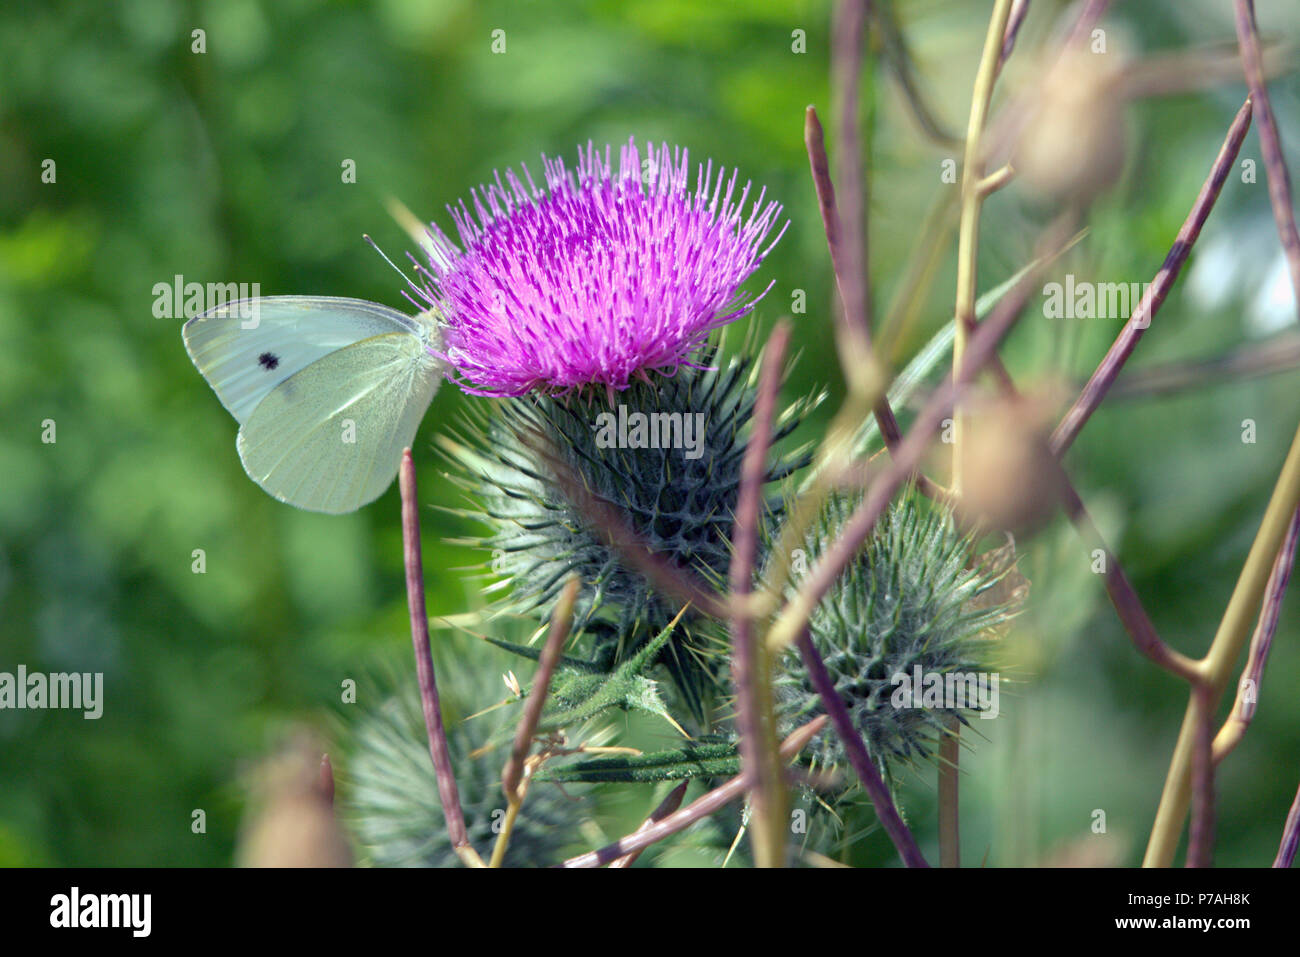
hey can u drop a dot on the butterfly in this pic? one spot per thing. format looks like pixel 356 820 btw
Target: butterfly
pixel 327 392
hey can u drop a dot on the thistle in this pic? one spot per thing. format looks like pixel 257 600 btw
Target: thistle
pixel 679 501
pixel 910 600
pixel 599 280
pixel 390 792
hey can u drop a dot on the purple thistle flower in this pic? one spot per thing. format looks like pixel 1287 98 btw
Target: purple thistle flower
pixel 597 280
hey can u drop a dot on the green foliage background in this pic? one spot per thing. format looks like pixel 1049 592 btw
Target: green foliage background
pixel 226 167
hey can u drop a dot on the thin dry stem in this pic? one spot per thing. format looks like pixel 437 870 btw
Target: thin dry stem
pixel 859 758
pixel 515 777
pixel 1014 21
pixel 1154 296
pixel 1279 354
pixel 822 576
pixel 1290 835
pixel 1200 843
pixel 1270 141
pixel 751 667
pixel 895 48
pixel 666 807
pixel 1243 709
pixel 1251 584
pixel 448 795
pixel 854 272
pixel 972 201
pixel 1215 667
pixel 697 810
pixel 1122 595
pixel 561 623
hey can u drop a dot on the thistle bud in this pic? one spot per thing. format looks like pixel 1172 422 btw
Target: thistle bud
pixel 665 455
pixel 903 622
pixel 389 794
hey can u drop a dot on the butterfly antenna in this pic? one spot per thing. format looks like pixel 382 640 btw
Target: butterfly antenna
pixel 375 247
pixel 407 279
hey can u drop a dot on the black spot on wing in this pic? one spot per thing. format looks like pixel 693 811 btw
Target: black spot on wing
pixel 268 360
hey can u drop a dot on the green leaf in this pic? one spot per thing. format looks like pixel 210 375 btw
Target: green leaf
pixel 535 654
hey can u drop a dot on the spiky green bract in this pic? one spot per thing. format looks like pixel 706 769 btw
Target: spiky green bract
pixel 696 759
pixel 389 792
pixel 678 496
pixel 831 826
pixel 904 602
pixel 577 695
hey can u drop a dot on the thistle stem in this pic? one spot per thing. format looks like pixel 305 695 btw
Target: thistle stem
pixel 792 618
pixel 1243 709
pixel 858 756
pixel 1290 835
pixel 856 354
pixel 751 664
pixel 972 200
pixel 438 751
pixel 513 803
pixel 1278 354
pixel 697 810
pixel 666 807
pixel 949 787
pixel 1132 615
pixel 513 781
pixel 1214 668
pixel 1270 141
pixel 1251 584
pixel 853 269
pixel 561 621
pixel 1154 297
pixel 973 193
pixel 1016 18
pixel 1201 840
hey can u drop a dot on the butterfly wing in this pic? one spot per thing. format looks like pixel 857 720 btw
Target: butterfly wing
pixel 246 349
pixel 329 438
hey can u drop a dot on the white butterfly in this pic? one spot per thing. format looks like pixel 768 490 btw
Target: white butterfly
pixel 327 392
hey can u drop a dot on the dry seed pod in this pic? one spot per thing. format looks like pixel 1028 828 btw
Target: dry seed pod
pixel 1090 850
pixel 1072 144
pixel 1010 479
pixel 293 824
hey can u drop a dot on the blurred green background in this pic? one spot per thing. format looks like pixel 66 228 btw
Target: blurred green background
pixel 225 166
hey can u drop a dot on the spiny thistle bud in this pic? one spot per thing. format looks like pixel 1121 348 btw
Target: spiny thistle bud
pixel 390 791
pixel 906 616
pixel 664 456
